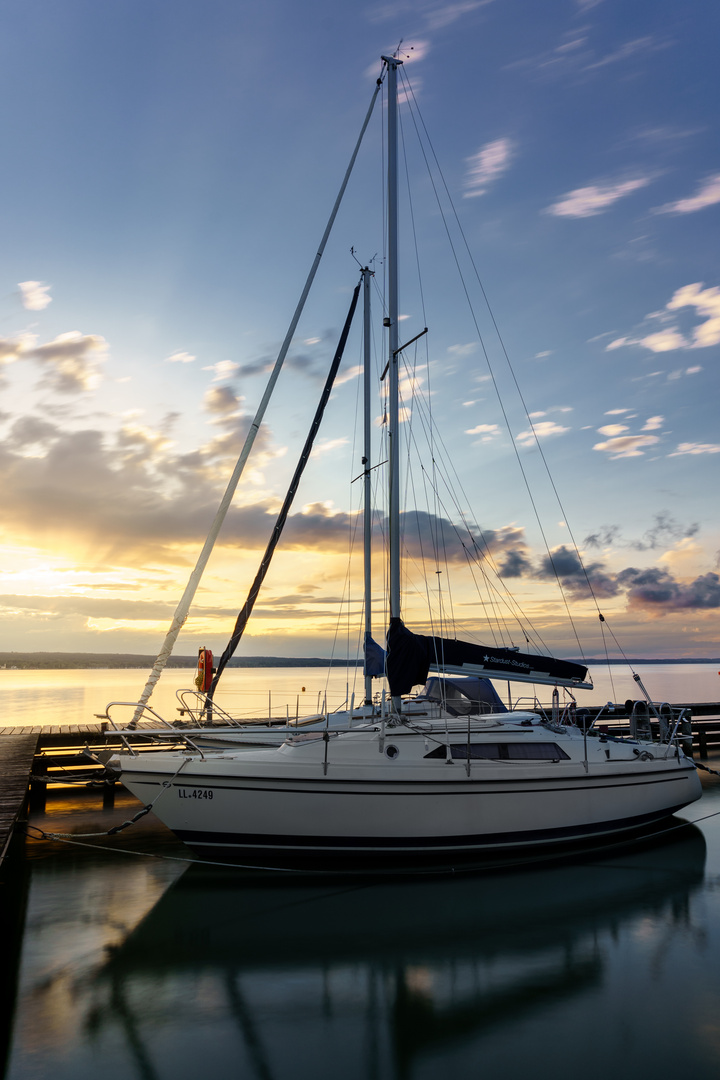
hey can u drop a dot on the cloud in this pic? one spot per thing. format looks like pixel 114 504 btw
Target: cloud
pixel 483 429
pixel 665 529
pixel 463 350
pixel 435 14
pixel 707 305
pixel 707 195
pixel 71 361
pixel 487 165
pixel 606 536
pixel 423 535
pixel 347 376
pixel 103 608
pixel 34 295
pixel 515 564
pixel 551 409
pixel 328 446
pixel 254 367
pixel 630 48
pixel 314 367
pixel 696 448
pixel 663 341
pixel 576 56
pixel 612 430
pixel 627 445
pixel 10 351
pixel 564 563
pixel 653 423
pixel 655 590
pixel 222 401
pixel 595 199
pixel 130 499
pixel 224 369
pixel 652 589
pixel 543 430
pixel 662 135
pixel 445 14
pixel 180 358
pixel 125 498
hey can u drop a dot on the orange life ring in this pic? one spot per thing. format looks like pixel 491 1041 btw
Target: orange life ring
pixel 204 675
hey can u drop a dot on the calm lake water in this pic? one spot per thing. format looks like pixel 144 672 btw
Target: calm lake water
pixel 75 697
pixel 135 963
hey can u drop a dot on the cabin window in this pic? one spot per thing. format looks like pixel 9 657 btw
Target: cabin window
pixel 530 751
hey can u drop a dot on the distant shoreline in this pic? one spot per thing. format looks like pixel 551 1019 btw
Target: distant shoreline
pixel 84 661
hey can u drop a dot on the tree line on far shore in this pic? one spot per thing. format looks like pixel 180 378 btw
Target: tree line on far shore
pixel 39 660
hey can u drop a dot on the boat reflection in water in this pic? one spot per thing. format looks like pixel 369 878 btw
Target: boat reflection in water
pixel 402 978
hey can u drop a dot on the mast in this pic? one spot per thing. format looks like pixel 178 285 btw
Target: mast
pixel 392 321
pixel 367 494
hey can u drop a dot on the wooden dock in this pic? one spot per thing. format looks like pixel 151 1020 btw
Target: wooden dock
pixel 16 760
pixel 31 758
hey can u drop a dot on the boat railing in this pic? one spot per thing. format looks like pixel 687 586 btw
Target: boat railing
pixel 134 730
pixel 147 713
pixel 203 711
pixel 641 721
pixel 550 713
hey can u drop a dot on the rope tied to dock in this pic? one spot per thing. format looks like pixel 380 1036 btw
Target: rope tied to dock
pixel 706 768
pixel 165 786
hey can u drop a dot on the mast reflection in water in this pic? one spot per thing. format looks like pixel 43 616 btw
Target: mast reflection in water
pixel 604 966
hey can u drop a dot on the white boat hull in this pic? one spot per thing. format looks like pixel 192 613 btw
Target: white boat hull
pixel 345 798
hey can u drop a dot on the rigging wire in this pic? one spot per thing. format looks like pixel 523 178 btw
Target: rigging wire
pixel 437 532
pixel 481 557
pixel 415 108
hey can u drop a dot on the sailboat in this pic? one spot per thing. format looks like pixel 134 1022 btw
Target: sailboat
pixel 448 775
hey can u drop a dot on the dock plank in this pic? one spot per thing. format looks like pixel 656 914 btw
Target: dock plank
pixel 16 758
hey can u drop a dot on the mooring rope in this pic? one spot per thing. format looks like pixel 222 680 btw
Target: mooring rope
pixel 166 784
pixel 706 768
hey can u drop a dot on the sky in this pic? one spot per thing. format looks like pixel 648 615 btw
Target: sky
pixel 169 169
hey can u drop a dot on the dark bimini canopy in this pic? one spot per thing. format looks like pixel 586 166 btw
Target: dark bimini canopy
pixel 466 695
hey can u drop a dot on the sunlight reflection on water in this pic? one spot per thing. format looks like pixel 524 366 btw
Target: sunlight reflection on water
pixel 75 697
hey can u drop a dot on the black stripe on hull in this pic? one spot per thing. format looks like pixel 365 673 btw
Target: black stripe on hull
pixel 276 850
pixel 465 786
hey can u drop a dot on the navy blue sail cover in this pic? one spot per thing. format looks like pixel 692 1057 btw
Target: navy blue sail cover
pixel 374 662
pixel 410 656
